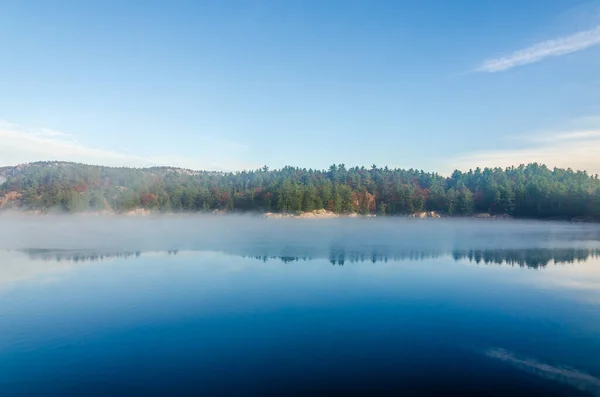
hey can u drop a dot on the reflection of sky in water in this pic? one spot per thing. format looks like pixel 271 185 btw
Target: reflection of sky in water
pixel 101 316
pixel 577 269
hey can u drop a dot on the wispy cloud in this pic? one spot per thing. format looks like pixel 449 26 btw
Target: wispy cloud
pixel 575 148
pixel 19 145
pixel 551 48
pixel 563 136
pixel 38 132
pixel 53 133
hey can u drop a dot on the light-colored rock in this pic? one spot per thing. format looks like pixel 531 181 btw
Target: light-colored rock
pixel 8 197
pixel 425 214
pixel 503 216
pixel 139 212
pixel 275 215
pixel 317 214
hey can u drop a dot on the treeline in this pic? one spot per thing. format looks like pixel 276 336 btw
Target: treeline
pixel 533 190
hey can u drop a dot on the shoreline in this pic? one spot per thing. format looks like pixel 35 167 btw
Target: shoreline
pixel 317 214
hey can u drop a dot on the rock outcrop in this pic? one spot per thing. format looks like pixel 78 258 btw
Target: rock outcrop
pixel 317 214
pixel 426 214
pixel 139 212
pixel 9 198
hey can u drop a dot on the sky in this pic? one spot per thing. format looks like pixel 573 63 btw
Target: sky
pixel 231 85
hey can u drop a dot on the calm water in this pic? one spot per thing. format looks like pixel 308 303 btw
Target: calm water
pixel 242 306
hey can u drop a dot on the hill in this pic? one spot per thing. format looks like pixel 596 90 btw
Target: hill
pixel 532 191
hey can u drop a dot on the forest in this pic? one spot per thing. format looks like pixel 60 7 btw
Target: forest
pixel 526 191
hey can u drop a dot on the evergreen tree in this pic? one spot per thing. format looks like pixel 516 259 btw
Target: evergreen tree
pixel 532 190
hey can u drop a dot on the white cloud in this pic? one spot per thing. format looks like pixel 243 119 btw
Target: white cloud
pixel 576 149
pixel 563 136
pixel 53 133
pixel 551 48
pixel 24 145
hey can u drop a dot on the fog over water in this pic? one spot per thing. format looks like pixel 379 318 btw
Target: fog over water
pixel 255 235
pixel 245 305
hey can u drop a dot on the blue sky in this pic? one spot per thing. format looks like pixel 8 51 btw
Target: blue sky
pixel 229 85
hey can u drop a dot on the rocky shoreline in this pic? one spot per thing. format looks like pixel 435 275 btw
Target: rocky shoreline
pixel 317 214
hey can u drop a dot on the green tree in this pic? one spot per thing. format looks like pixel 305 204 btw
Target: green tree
pixel 465 201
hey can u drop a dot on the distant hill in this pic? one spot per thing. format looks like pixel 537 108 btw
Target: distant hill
pixel 532 190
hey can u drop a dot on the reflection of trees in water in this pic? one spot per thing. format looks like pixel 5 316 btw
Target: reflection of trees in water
pixel 83 256
pixel 532 258
pixel 284 259
pixel 340 256
pixel 77 256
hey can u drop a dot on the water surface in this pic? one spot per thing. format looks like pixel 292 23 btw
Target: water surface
pixel 254 307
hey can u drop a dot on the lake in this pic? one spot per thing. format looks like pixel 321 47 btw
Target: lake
pixel 247 306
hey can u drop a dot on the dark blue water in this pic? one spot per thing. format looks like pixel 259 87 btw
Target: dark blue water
pixel 344 317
